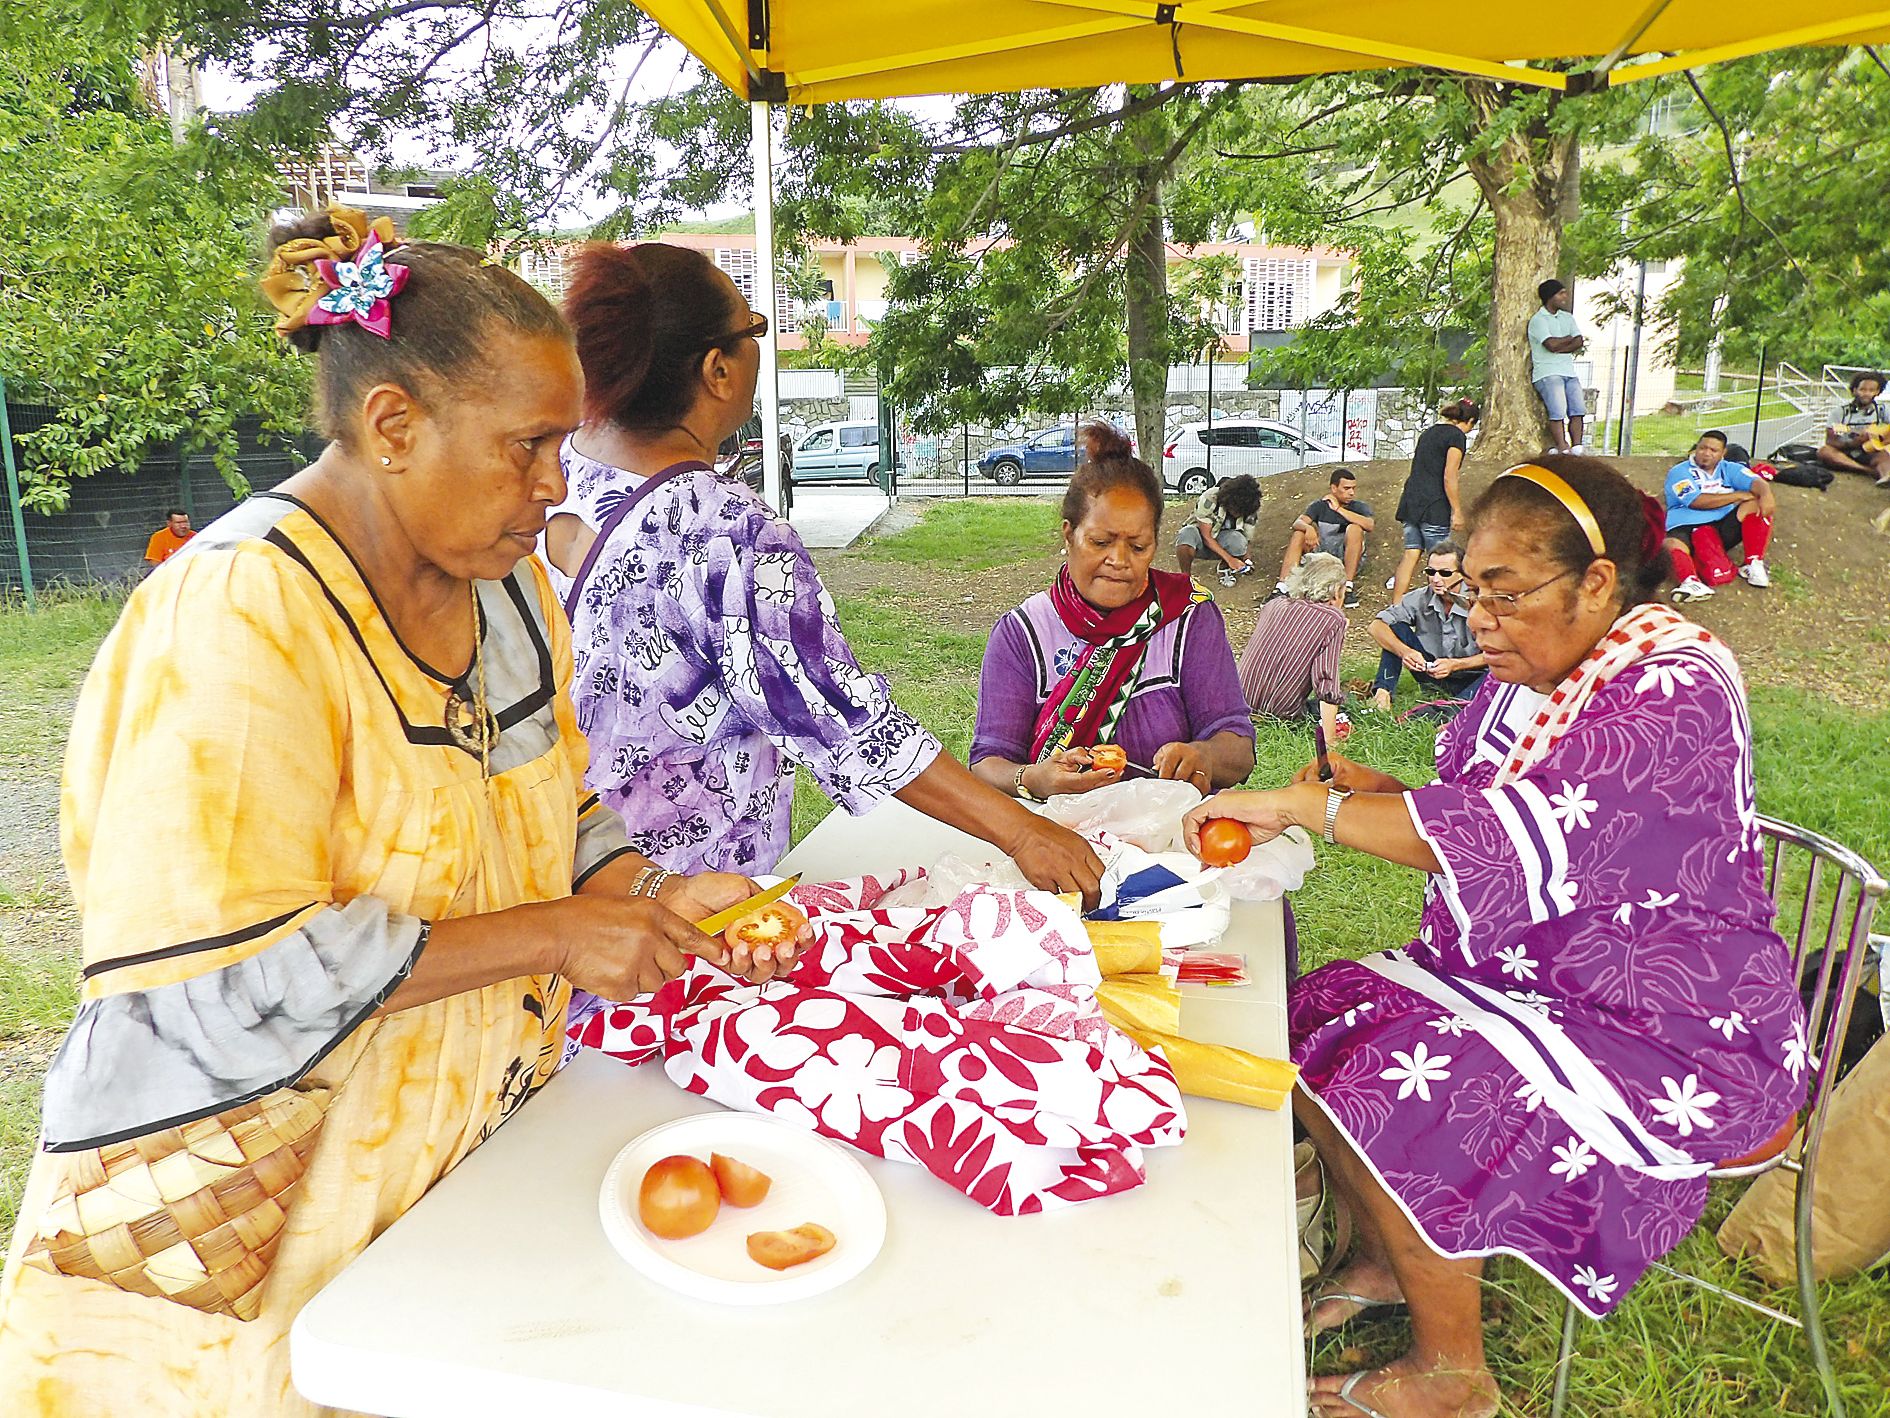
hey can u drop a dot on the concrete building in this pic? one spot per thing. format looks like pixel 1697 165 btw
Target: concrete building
pixel 1279 288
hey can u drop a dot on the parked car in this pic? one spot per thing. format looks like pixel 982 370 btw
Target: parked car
pixel 836 452
pixel 1258 446
pixel 1049 454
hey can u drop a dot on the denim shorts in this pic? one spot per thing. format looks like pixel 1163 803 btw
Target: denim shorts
pixel 1425 535
pixel 1562 396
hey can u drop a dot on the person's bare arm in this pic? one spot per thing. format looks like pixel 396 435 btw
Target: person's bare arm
pixel 1381 634
pixel 1709 501
pixel 1458 666
pixel 1211 763
pixel 1378 823
pixel 1214 547
pixel 1453 462
pixel 616 947
pixel 567 541
pixel 1051 857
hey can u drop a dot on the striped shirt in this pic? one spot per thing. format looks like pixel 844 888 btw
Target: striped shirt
pixel 1292 656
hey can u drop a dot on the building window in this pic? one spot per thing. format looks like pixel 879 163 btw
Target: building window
pixel 544 269
pixel 1278 294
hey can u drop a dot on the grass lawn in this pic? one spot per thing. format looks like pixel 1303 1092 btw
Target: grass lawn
pixel 1668 1350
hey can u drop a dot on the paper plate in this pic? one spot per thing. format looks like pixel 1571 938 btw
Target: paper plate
pixel 814 1180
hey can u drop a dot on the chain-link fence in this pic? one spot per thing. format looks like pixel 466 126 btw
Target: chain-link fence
pixel 1215 427
pixel 101 536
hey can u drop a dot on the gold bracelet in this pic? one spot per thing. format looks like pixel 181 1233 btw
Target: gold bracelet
pixel 1022 791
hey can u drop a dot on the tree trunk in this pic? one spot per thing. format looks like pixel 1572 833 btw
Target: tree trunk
pixel 1531 180
pixel 1147 138
pixel 1145 297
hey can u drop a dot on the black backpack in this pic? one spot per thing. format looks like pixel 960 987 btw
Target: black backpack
pixel 1798 466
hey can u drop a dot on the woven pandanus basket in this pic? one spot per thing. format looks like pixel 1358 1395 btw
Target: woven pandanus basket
pixel 191 1214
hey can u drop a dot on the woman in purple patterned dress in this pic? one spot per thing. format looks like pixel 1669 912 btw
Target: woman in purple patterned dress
pixel 1596 1009
pixel 708 659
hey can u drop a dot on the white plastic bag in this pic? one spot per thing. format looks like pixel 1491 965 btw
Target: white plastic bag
pixel 1271 869
pixel 1145 811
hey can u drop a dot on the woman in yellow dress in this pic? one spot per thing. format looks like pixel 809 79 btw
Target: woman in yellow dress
pixel 305 858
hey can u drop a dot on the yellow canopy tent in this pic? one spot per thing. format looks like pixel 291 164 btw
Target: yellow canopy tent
pixel 815 51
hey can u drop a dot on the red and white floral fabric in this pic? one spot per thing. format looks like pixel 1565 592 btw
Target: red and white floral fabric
pixel 965 1038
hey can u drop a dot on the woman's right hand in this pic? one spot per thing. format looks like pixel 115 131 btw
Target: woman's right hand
pixel 1067 772
pixel 1350 776
pixel 1053 858
pixel 619 947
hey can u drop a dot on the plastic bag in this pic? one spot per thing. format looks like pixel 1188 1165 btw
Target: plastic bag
pixel 1271 869
pixel 1145 811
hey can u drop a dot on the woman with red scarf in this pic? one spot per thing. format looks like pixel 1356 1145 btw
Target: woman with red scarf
pixel 1113 653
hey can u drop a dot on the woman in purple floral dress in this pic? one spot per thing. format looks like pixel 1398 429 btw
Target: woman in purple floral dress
pixel 1596 1009
pixel 708 659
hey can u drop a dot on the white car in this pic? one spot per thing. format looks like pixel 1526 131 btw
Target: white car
pixel 1258 446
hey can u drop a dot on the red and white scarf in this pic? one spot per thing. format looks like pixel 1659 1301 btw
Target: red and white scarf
pixel 1643 630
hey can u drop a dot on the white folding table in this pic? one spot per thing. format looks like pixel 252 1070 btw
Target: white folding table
pixel 499 1295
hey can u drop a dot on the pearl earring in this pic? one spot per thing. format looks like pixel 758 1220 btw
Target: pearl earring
pixel 386 462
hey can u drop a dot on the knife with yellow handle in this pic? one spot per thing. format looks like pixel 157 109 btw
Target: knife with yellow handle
pixel 721 920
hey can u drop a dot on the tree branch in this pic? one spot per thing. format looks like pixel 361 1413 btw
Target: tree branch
pixel 1739 191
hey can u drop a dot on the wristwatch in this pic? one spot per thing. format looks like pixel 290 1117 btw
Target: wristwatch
pixel 1334 796
pixel 1024 792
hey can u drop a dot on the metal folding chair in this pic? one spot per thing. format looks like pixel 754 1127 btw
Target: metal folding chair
pixel 1852 888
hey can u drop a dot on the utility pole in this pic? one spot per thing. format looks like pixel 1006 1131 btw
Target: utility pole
pixel 1626 444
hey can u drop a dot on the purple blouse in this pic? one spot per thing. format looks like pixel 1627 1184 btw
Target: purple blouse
pixel 1188 688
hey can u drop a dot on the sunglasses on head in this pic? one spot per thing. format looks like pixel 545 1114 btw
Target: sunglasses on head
pixel 756 329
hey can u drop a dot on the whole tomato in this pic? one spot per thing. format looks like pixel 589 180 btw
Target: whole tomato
pixel 1224 842
pixel 678 1197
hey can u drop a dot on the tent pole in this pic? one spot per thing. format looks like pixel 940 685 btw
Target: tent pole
pixel 766 382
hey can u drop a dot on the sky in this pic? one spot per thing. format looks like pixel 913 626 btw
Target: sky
pixel 669 68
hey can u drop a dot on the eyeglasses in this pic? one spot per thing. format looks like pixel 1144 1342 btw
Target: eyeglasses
pixel 1503 603
pixel 757 329
pixel 1439 571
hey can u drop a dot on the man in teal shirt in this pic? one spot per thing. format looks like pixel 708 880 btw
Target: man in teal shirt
pixel 1554 341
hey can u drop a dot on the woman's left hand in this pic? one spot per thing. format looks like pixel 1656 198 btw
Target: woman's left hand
pixel 1267 813
pixel 696 898
pixel 1183 763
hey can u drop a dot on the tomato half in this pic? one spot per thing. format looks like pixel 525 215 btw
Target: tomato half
pixel 1224 842
pixel 678 1197
pixel 781 1250
pixel 775 925
pixel 741 1184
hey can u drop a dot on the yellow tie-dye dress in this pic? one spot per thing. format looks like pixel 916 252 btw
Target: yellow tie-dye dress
pixel 262 815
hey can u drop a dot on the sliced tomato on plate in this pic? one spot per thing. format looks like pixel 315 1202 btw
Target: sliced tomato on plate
pixel 741 1184
pixel 783 1250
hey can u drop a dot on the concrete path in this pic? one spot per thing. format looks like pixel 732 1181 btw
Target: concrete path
pixel 830 518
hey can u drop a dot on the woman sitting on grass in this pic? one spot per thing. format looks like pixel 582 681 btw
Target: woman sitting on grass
pixel 1596 1009
pixel 1114 652
pixel 1292 657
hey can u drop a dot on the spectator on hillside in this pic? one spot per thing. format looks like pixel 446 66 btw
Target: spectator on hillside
pixel 169 539
pixel 1714 505
pixel 1336 524
pixel 1850 427
pixel 1554 341
pixel 1222 526
pixel 1292 657
pixel 1428 633
pixel 1430 510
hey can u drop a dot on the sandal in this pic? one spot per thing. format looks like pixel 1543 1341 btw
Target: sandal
pixel 1345 1395
pixel 1365 1304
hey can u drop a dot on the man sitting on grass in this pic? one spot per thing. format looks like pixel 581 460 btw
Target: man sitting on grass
pixel 1336 524
pixel 1428 633
pixel 1850 426
pixel 1712 506
pixel 1221 527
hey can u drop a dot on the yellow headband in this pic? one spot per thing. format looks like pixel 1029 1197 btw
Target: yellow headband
pixel 1556 487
